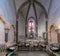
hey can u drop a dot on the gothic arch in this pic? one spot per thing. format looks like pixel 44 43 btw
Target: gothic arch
pixel 3 21
pixel 2 30
pixel 11 35
pixel 29 3
pixel 19 12
pixel 14 29
pixel 52 27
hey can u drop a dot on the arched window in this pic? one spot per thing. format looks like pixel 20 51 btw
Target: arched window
pixel 31 26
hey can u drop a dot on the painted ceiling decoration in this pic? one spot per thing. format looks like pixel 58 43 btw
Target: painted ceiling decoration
pixel 25 8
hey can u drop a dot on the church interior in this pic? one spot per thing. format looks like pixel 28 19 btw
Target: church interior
pixel 29 27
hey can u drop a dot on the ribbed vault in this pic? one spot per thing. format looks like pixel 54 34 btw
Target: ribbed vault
pixel 37 7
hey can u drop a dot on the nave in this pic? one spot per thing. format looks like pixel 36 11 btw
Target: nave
pixel 30 53
pixel 29 27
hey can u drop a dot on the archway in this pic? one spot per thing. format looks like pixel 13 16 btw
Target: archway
pixel 53 34
pixel 21 29
pixel 11 34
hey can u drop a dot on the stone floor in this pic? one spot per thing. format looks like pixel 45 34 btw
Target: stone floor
pixel 31 53
pixel 2 54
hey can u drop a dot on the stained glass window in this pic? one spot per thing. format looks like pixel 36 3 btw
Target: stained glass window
pixel 31 25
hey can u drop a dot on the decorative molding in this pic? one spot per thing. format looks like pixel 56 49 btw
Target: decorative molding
pixel 3 21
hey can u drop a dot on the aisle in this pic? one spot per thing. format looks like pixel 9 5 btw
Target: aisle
pixel 33 53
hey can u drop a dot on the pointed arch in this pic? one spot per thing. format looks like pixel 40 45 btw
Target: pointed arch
pixel 3 21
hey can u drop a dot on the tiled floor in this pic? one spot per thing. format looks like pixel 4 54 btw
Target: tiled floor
pixel 31 53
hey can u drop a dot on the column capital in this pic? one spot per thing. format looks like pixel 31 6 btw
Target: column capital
pixel 7 30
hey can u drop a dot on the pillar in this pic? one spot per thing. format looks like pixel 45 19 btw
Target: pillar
pixel 47 31
pixel 25 30
pixel 16 30
pixel 58 33
pixel 26 27
pixel 36 30
pixel 6 34
pixel 14 36
pixel 36 27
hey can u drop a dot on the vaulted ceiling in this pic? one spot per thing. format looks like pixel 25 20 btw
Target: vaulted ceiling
pixel 35 8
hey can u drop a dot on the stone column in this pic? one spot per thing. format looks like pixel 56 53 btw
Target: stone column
pixel 47 31
pixel 25 31
pixel 6 34
pixel 58 35
pixel 16 30
pixel 36 30
pixel 14 36
pixel 26 27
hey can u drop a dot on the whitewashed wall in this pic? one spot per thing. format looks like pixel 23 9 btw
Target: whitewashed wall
pixel 2 33
pixel 21 28
pixel 11 35
pixel 7 11
pixel 54 16
pixel 45 3
pixel 54 13
pixel 41 25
